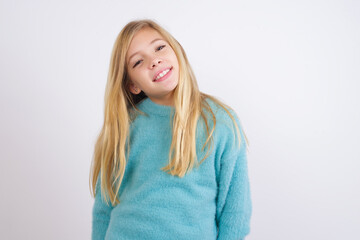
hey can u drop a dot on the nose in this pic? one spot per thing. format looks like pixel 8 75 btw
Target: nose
pixel 155 61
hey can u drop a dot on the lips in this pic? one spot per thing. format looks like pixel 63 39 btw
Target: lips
pixel 157 73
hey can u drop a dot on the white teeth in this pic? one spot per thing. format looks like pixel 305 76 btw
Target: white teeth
pixel 162 74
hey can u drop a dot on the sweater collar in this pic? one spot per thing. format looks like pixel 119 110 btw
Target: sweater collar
pixel 152 108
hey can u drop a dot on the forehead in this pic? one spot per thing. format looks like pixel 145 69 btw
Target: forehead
pixel 141 40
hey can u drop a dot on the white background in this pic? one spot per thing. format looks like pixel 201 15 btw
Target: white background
pixel 290 69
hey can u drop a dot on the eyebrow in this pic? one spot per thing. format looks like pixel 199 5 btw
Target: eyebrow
pixel 156 39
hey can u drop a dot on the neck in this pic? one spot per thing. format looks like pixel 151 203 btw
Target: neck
pixel 167 100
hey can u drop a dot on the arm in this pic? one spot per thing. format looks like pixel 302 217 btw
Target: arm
pixel 234 207
pixel 101 215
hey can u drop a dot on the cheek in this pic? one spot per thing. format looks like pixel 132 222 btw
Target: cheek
pixel 134 75
pixel 140 78
pixel 175 60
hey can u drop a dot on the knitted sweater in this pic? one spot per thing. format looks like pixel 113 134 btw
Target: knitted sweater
pixel 209 202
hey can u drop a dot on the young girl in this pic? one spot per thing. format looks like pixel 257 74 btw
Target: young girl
pixel 147 177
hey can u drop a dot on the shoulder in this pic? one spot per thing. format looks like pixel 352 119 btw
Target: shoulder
pixel 224 114
pixel 228 129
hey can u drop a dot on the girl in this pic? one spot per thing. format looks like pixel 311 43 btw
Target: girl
pixel 146 176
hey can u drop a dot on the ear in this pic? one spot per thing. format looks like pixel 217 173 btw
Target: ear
pixel 134 89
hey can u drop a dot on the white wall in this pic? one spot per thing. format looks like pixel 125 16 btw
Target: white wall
pixel 289 68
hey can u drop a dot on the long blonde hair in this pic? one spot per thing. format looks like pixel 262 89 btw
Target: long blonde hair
pixel 109 155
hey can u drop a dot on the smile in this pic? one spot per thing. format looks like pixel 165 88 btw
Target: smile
pixel 162 75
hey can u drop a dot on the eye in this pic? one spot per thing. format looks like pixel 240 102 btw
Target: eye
pixel 160 47
pixel 157 49
pixel 136 63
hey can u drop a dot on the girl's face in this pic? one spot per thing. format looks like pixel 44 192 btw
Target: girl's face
pixel 152 66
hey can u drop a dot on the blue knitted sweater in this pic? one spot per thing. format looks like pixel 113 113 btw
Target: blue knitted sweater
pixel 210 202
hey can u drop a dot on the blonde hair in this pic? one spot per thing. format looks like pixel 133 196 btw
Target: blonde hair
pixel 109 154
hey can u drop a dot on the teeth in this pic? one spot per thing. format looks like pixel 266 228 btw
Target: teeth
pixel 162 74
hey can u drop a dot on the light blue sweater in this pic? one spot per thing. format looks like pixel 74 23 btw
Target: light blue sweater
pixel 210 202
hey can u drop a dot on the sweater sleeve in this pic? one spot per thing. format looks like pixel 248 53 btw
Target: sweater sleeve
pixel 234 207
pixel 100 214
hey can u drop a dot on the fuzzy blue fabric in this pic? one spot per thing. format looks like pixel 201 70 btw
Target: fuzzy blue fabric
pixel 209 202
